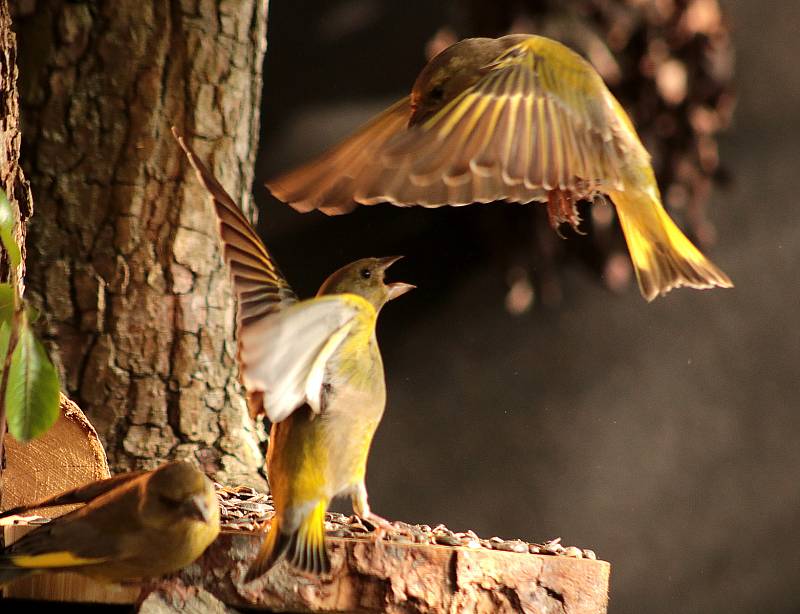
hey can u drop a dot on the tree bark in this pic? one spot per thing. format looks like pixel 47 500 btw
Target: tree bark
pixel 123 257
pixel 12 178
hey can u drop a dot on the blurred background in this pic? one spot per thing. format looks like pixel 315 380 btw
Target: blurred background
pixel 532 392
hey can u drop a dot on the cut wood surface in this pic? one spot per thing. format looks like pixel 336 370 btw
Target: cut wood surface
pixel 68 455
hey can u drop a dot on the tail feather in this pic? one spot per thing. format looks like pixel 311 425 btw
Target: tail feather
pixel 303 548
pixel 662 256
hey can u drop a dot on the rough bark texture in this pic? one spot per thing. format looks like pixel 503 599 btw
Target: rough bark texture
pixel 190 601
pixel 12 179
pixel 368 577
pixel 408 578
pixel 124 259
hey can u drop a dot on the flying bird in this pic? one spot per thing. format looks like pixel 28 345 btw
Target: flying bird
pixel 314 368
pixel 520 118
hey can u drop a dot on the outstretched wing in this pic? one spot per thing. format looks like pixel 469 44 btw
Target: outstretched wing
pixel 260 287
pixel 257 281
pixel 539 119
pixel 329 182
pixel 307 334
pixel 82 494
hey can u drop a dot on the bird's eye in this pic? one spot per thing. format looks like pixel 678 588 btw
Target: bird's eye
pixel 436 93
pixel 366 273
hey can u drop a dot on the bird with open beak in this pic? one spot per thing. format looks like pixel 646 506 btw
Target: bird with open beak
pixel 314 368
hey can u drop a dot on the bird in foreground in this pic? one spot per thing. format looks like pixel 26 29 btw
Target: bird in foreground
pixel 135 525
pixel 520 118
pixel 314 368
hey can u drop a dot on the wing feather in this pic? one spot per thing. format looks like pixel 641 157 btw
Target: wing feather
pixel 260 288
pixel 81 494
pixel 328 182
pixel 307 333
pixel 539 119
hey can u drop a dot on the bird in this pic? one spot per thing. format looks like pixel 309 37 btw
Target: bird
pixel 135 525
pixel 313 367
pixel 520 118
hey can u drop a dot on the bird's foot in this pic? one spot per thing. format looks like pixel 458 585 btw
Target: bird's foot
pixel 561 208
pixel 380 526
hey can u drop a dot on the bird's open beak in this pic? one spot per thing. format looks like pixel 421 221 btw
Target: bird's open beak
pixel 397 288
pixel 197 508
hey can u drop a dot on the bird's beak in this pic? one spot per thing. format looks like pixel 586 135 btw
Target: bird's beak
pixel 385 263
pixel 197 508
pixel 397 288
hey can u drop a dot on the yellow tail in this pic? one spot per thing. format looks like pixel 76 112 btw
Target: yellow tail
pixel 303 547
pixel 662 255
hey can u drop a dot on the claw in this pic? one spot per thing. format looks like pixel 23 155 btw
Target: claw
pixel 380 526
pixel 561 208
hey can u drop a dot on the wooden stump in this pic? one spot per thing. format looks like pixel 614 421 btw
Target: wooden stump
pixel 397 574
pixel 393 577
pixel 68 455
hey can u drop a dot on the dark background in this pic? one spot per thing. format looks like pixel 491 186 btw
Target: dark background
pixel 665 435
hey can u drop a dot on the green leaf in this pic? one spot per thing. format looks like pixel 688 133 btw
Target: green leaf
pixel 6 303
pixel 7 221
pixel 33 387
pixel 5 337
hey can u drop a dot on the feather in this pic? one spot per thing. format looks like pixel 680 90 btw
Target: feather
pixel 284 356
pixel 328 183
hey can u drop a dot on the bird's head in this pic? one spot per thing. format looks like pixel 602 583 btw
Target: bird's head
pixel 365 278
pixel 451 72
pixel 178 491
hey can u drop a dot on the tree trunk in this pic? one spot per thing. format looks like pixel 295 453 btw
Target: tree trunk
pixel 12 178
pixel 123 257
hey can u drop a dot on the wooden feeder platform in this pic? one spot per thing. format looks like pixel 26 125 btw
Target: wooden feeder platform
pixel 413 569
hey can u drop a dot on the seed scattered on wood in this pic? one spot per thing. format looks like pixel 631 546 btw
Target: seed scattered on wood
pixel 448 540
pixel 244 509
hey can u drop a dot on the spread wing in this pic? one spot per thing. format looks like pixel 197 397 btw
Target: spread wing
pixel 329 182
pixel 539 119
pixel 82 494
pixel 307 334
pixel 260 287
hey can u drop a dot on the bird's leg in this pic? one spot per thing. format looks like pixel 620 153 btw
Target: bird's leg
pixel 362 510
pixel 561 208
pixel 554 211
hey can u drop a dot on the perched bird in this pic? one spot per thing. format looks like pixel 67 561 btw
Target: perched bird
pixel 520 118
pixel 314 368
pixel 135 525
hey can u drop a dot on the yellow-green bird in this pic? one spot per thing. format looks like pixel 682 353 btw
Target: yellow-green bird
pixel 135 525
pixel 314 368
pixel 520 118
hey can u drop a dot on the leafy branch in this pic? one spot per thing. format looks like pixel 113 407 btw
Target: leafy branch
pixel 29 386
